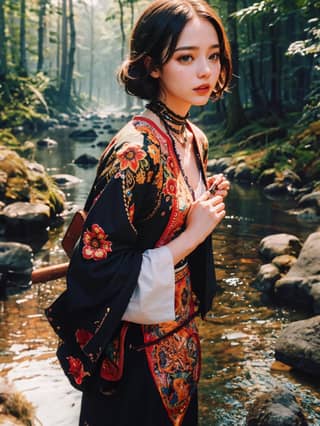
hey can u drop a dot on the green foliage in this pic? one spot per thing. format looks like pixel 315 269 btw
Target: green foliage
pixel 278 156
pixel 22 100
pixel 302 159
pixel 311 44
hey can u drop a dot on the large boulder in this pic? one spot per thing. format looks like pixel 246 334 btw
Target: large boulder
pixel 310 200
pixel 276 408
pixel 219 165
pixel 86 160
pixel 25 218
pixel 47 143
pixel 15 267
pixel 276 188
pixel 65 180
pixel 87 135
pixel 26 181
pixel 267 177
pixel 296 288
pixel 279 244
pixel 291 178
pixel 299 345
pixel 243 173
pixel 266 278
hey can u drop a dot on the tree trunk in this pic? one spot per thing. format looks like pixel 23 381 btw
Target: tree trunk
pixel 64 41
pixel 235 114
pixel 123 35
pixel 71 54
pixel 275 97
pixel 23 69
pixel 91 51
pixel 131 13
pixel 58 53
pixel 259 103
pixel 41 31
pixel 3 47
pixel 13 33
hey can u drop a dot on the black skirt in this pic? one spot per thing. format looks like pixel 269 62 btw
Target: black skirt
pixel 135 400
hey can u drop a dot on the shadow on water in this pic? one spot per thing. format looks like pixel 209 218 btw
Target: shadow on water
pixel 237 339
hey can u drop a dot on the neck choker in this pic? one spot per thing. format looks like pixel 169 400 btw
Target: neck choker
pixel 174 122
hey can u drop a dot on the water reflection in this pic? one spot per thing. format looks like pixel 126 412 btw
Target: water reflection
pixel 237 339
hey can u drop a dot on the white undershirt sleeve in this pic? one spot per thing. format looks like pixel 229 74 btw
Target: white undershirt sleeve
pixel 152 301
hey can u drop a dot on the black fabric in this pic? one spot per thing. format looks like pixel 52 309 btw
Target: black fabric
pixel 135 400
pixel 203 277
pixel 98 291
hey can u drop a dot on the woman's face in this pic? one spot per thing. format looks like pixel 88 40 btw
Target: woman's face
pixel 191 74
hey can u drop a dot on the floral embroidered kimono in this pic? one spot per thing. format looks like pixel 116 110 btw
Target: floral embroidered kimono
pixel 144 375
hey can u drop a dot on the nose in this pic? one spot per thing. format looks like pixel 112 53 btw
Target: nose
pixel 204 68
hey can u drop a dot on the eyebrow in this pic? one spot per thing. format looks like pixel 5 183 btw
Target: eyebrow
pixel 214 46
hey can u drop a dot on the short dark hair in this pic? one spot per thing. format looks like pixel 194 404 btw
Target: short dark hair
pixel 157 31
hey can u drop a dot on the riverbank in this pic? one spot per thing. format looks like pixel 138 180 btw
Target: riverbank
pixel 238 339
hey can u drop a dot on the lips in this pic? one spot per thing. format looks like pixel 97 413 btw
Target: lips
pixel 203 89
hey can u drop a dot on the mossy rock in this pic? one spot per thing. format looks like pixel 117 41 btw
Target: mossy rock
pixel 22 180
pixel 267 177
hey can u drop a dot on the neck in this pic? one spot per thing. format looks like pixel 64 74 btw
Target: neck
pixel 168 115
pixel 172 121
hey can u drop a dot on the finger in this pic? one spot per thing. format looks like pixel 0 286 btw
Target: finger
pixel 222 193
pixel 217 179
pixel 219 207
pixel 217 199
pixel 205 196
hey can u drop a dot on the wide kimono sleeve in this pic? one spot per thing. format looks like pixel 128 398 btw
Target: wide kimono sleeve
pixel 106 263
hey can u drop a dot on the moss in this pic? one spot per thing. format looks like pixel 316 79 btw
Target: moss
pixel 26 150
pixel 16 405
pixel 17 189
pixel 8 139
pixel 12 163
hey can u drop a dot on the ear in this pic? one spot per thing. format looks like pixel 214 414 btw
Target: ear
pixel 154 72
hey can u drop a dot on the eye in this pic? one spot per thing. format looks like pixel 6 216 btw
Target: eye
pixel 215 57
pixel 185 59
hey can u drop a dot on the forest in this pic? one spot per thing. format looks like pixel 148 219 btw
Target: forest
pixel 58 66
pixel 62 55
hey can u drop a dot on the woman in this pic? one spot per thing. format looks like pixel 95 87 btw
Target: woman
pixel 143 267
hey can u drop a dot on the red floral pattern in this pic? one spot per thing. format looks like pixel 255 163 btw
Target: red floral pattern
pixel 83 337
pixel 96 246
pixel 171 187
pixel 76 369
pixel 129 157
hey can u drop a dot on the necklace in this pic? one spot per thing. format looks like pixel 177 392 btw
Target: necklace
pixel 179 159
pixel 170 119
pixel 174 122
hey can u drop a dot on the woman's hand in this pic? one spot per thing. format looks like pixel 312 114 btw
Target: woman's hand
pixel 204 215
pixel 221 183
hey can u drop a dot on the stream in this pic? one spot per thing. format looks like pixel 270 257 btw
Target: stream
pixel 237 339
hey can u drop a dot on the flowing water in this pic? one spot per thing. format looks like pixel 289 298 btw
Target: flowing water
pixel 237 340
